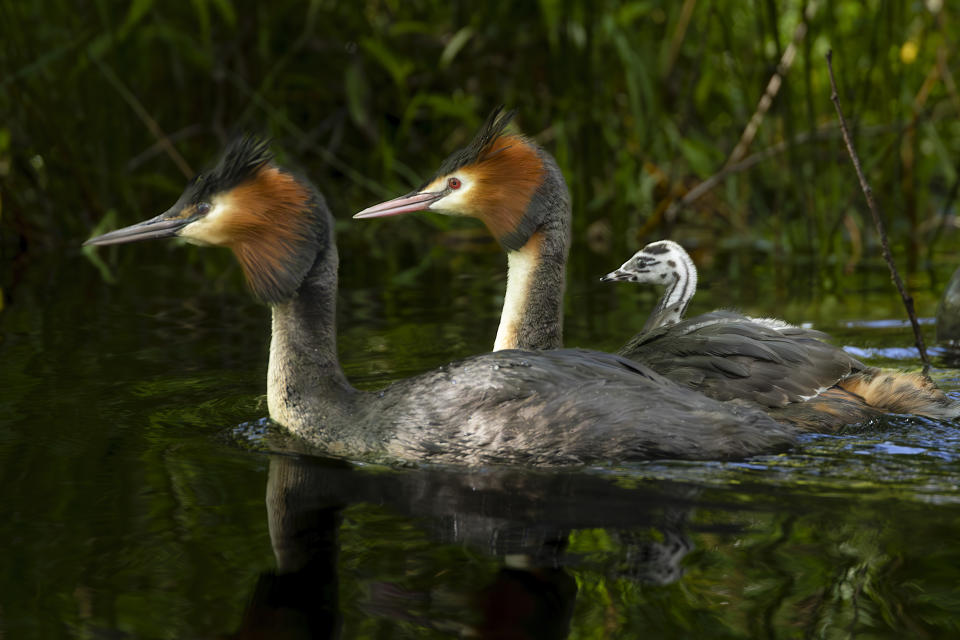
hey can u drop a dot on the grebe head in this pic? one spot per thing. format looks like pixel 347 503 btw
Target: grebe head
pixel 662 263
pixel 494 178
pixel 273 222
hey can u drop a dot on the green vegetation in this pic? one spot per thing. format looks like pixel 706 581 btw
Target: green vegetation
pixel 129 510
pixel 107 108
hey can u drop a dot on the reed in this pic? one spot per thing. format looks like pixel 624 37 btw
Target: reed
pixel 641 102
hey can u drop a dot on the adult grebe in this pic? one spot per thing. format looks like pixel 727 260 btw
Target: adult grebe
pixel 948 316
pixel 553 408
pixel 516 189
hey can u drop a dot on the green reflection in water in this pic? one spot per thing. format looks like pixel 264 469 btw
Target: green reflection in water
pixel 131 507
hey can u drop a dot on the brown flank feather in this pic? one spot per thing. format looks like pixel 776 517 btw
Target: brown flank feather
pixel 899 392
pixel 507 177
pixel 869 394
pixel 832 410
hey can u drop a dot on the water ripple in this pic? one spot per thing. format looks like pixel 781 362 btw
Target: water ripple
pixel 900 456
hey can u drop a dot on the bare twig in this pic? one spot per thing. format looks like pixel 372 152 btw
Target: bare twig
pixel 671 205
pixel 158 147
pixel 753 159
pixel 286 123
pixel 735 162
pixel 773 87
pixel 877 221
pixel 686 12
pixel 162 139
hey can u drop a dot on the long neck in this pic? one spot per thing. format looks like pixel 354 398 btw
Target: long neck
pixel 532 316
pixel 679 292
pixel 305 384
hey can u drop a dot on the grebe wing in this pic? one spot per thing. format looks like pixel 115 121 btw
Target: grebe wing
pixel 567 406
pixel 726 355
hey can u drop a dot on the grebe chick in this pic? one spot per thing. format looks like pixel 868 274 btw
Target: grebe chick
pixel 785 371
pixel 516 189
pixel 666 264
pixel 553 408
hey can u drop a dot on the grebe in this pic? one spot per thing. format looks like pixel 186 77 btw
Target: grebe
pixel 948 316
pixel 553 408
pixel 517 190
pixel 793 351
pixel 665 264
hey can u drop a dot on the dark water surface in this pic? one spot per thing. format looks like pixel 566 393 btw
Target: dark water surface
pixel 136 503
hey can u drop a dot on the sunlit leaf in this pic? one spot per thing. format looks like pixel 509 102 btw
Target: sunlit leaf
pixel 138 9
pixel 202 10
pixel 227 12
pixel 395 65
pixel 459 39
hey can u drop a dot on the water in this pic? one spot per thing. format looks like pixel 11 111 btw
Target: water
pixel 137 502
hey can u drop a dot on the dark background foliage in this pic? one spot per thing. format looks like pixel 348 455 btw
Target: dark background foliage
pixel 107 106
pixel 122 513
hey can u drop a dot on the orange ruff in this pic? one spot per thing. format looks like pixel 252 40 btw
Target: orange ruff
pixel 507 177
pixel 268 224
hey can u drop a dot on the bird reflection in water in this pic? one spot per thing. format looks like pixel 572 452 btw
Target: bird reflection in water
pixel 523 518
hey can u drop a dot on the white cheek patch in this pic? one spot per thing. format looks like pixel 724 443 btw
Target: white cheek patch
pixel 213 228
pixel 455 203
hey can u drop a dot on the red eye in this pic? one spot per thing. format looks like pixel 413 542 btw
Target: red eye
pixel 454 183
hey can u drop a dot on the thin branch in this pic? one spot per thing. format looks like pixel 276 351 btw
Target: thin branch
pixel 686 12
pixel 735 162
pixel 286 123
pixel 671 206
pixel 877 221
pixel 162 139
pixel 157 147
pixel 773 87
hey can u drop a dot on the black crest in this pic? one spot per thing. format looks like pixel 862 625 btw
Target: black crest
pixel 243 157
pixel 492 129
pixel 241 160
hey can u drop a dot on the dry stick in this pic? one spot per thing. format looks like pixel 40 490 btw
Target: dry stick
pixel 162 139
pixel 823 133
pixel 158 147
pixel 328 156
pixel 874 211
pixel 766 100
pixel 686 12
pixel 733 163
